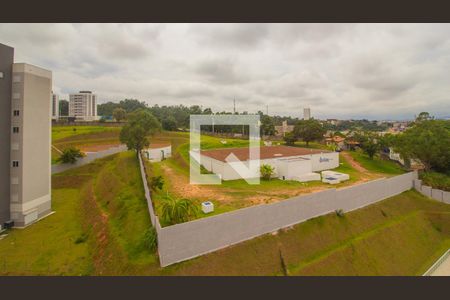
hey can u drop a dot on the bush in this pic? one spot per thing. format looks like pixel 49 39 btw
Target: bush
pixel 150 239
pixel 339 213
pixel 266 171
pixel 70 155
pixel 178 210
pixel 436 180
pixel 156 183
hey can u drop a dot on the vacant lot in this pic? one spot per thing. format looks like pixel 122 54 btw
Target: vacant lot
pixel 83 137
pixel 101 216
pixel 235 194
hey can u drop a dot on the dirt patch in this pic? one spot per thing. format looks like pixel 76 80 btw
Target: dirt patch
pixel 182 187
pixel 68 181
pixel 353 162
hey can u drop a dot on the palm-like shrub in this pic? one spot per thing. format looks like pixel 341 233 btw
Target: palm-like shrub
pixel 176 210
pixel 70 155
pixel 266 171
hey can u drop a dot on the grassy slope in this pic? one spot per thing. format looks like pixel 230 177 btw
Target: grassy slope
pixel 101 216
pixel 376 164
pixel 48 247
pixel 401 235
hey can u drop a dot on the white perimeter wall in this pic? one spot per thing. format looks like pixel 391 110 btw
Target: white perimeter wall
pixel 187 240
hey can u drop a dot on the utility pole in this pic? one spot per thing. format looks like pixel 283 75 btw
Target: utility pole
pixel 267 109
pixel 234 106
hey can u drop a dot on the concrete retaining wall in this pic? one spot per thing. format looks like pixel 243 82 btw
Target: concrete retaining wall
pixel 439 195
pixel 187 240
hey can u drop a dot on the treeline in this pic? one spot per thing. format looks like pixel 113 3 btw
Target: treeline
pixel 177 117
pixel 357 125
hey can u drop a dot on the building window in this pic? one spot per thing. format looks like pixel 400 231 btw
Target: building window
pixel 16 78
pixel 2 75
pixel 15 163
pixel 15 129
pixel 16 95
pixel 16 113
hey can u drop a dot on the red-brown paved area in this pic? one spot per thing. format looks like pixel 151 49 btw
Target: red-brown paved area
pixel 265 152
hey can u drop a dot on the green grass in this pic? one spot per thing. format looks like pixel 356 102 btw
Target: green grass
pixel 48 247
pixel 101 215
pixel 65 136
pixel 97 229
pixel 436 180
pixel 61 132
pixel 376 164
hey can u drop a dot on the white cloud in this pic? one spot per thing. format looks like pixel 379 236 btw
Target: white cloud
pixel 339 70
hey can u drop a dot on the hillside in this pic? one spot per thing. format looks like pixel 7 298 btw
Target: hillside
pixel 100 221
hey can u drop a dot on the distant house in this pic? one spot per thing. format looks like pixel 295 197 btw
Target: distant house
pixel 283 129
pixel 351 145
pixel 336 140
pixel 293 163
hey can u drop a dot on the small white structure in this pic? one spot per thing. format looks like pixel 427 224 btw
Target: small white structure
pixel 158 152
pixel 333 177
pixel 207 207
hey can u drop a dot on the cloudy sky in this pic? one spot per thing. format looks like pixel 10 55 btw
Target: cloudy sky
pixel 375 71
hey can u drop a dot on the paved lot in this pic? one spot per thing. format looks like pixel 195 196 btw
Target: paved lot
pixel 90 156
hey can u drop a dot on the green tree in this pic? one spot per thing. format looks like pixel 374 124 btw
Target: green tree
pixel 169 123
pixel 427 141
pixel 176 211
pixel 70 155
pixel 141 124
pixel 64 108
pixel 370 147
pixel 290 139
pixel 119 114
pixel 267 125
pixel 131 105
pixel 424 116
pixel 309 130
pixel 266 171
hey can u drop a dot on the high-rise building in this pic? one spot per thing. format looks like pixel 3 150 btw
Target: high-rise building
pixel 55 106
pixel 26 185
pixel 83 106
pixel 306 113
pixel 6 64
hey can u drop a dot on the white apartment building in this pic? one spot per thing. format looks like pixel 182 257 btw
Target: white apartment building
pixel 25 130
pixel 30 190
pixel 55 106
pixel 83 106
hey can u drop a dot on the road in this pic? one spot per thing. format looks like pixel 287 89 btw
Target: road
pixel 90 156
